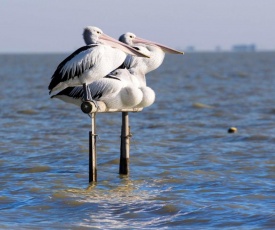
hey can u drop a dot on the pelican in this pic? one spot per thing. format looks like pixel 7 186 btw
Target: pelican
pixel 140 81
pixel 91 62
pixel 155 50
pixel 139 66
pixel 116 90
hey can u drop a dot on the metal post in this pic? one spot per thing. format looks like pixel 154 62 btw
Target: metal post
pixel 92 151
pixel 124 145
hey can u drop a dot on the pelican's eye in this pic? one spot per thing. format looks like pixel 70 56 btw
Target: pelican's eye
pixel 131 36
pixel 98 32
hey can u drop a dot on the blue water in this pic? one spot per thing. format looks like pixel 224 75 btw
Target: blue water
pixel 186 170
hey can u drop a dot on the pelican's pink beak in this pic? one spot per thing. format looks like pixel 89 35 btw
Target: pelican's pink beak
pixel 119 45
pixel 166 49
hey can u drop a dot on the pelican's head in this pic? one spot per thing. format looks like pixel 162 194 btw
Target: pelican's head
pixel 142 49
pixel 91 34
pixel 120 74
pixel 127 38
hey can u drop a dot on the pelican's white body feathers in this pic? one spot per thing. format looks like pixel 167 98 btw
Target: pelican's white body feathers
pixel 90 64
pixel 143 65
pixel 116 90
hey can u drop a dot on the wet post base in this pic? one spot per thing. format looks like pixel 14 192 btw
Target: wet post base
pixel 92 151
pixel 125 145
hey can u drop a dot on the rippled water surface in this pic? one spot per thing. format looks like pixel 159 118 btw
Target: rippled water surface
pixel 186 171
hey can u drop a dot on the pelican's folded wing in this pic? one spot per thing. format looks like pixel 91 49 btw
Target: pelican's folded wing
pixel 73 66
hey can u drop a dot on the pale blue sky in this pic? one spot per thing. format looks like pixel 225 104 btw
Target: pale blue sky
pixel 56 25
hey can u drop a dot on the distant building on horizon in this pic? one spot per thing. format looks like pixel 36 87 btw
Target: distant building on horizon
pixel 244 48
pixel 190 49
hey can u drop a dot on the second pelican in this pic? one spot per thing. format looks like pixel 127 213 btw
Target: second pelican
pixel 116 90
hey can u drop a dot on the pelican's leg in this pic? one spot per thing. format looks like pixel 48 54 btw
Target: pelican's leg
pixel 88 95
pixel 85 92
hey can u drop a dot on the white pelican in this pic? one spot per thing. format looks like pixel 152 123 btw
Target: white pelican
pixel 155 50
pixel 91 62
pixel 138 73
pixel 139 66
pixel 116 90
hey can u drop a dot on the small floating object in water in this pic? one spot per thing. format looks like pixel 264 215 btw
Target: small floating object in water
pixel 201 105
pixel 232 130
pixel 27 112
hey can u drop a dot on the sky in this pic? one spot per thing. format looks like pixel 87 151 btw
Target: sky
pixel 29 26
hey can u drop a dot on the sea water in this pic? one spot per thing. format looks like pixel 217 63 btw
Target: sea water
pixel 186 170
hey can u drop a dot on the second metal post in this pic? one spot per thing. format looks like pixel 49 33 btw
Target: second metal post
pixel 125 145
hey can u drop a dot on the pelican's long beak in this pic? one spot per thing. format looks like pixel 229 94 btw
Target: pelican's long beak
pixel 166 49
pixel 119 45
